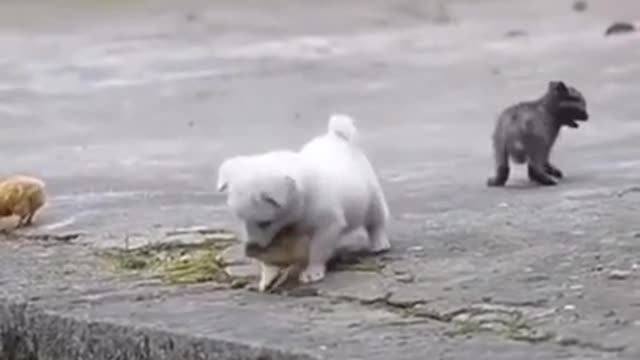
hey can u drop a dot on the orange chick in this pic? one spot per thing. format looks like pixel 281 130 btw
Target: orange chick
pixel 21 196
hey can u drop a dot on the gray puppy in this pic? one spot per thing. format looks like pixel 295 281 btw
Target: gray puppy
pixel 527 131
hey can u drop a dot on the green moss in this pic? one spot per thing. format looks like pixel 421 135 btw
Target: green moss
pixel 199 266
pixel 528 334
pixel 463 328
pixel 175 262
pixel 511 325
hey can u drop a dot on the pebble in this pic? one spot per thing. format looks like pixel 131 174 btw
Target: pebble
pixel 190 17
pixel 576 287
pixel 239 283
pixel 580 6
pixel 405 278
pixel 242 271
pixel 233 255
pixel 620 27
pixel 619 274
pixel 608 241
pixel 598 267
pixel 567 341
pixel 303 291
pixel 515 33
pixel 536 278
pixel 610 313
pixel 185 258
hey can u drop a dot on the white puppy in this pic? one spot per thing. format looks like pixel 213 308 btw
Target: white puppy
pixel 328 188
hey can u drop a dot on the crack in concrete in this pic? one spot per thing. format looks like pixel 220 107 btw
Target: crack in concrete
pixel 628 190
pixel 513 326
pixel 46 237
pixel 590 345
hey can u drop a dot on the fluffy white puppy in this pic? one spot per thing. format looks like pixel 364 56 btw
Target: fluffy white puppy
pixel 328 189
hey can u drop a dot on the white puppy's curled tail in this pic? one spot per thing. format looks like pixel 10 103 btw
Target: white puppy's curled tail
pixel 343 126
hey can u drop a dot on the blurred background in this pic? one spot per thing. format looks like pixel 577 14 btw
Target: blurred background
pixel 117 101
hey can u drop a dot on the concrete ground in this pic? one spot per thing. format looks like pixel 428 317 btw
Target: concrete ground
pixel 127 108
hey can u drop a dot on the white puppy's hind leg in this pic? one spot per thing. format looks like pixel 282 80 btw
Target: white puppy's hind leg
pixel 321 248
pixel 267 275
pixel 379 239
pixel 376 223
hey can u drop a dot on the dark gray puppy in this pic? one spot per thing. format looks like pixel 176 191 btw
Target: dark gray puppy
pixel 527 131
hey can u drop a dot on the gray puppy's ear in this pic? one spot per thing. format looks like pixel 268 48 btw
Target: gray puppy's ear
pixel 558 87
pixel 281 192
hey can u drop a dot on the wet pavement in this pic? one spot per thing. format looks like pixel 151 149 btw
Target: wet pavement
pixel 126 110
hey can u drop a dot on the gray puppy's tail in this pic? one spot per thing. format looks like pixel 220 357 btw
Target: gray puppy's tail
pixel 343 126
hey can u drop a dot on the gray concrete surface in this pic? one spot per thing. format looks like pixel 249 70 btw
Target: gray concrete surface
pixel 126 109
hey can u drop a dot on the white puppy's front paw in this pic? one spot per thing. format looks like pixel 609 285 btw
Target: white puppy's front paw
pixel 380 242
pixel 267 276
pixel 313 273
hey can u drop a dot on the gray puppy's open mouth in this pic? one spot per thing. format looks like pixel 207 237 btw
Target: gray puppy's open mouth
pixel 572 124
pixel 570 115
pixel 575 123
pixel 571 111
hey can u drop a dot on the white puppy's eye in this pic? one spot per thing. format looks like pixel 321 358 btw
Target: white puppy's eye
pixel 263 224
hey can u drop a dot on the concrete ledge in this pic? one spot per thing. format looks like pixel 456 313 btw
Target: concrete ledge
pixel 28 332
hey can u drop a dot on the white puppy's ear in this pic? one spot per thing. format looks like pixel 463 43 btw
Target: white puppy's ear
pixel 223 183
pixel 280 193
pixel 224 174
